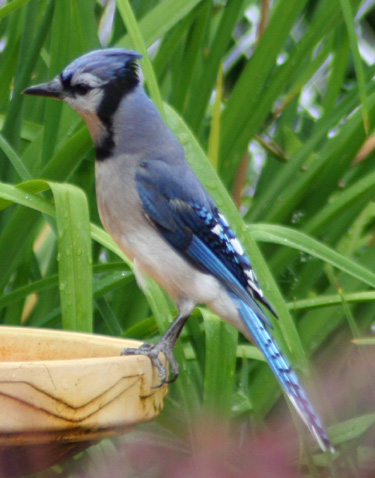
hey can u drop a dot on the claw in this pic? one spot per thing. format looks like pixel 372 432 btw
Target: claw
pixel 165 345
pixel 152 351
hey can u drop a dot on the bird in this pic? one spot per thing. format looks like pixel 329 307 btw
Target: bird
pixel 155 208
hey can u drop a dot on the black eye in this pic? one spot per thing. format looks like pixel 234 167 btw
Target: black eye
pixel 81 89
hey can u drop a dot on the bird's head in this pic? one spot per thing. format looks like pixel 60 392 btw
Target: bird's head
pixel 98 77
pixel 93 85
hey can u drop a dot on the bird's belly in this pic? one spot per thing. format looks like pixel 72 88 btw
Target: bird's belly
pixel 180 280
pixel 155 257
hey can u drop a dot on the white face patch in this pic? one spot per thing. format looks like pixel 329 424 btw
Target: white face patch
pixel 88 79
pixel 88 103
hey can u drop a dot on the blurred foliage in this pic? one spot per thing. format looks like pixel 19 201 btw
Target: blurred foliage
pixel 282 96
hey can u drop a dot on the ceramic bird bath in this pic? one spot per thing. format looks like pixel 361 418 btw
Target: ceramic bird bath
pixel 60 392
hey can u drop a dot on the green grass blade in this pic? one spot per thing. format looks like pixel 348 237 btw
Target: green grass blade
pixel 349 22
pixel 331 300
pixel 298 240
pixel 351 429
pixel 11 7
pixel 75 265
pixel 250 352
pixel 221 348
pixel 132 26
pixel 214 139
pixel 341 52
pixel 68 156
pixel 341 203
pixel 16 161
pixel 159 20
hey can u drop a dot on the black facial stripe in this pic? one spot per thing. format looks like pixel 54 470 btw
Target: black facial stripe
pixel 80 88
pixel 113 93
pixel 126 80
pixel 104 150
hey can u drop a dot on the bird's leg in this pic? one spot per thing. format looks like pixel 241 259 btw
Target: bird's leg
pixel 165 345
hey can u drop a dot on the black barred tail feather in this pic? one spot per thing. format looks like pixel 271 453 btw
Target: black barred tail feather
pixel 284 373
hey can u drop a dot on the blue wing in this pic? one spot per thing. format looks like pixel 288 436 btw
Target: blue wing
pixel 190 222
pixel 184 213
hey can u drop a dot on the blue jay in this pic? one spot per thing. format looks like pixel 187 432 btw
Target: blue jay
pixel 155 208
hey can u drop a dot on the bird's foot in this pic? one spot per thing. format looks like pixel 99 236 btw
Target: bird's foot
pixel 152 351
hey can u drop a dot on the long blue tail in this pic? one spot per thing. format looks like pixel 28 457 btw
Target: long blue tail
pixel 256 324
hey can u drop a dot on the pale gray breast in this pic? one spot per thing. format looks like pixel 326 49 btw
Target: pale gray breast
pixel 118 200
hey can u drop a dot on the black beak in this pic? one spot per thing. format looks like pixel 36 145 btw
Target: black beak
pixel 52 89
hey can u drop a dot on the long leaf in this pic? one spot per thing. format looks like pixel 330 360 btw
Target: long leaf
pixel 298 240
